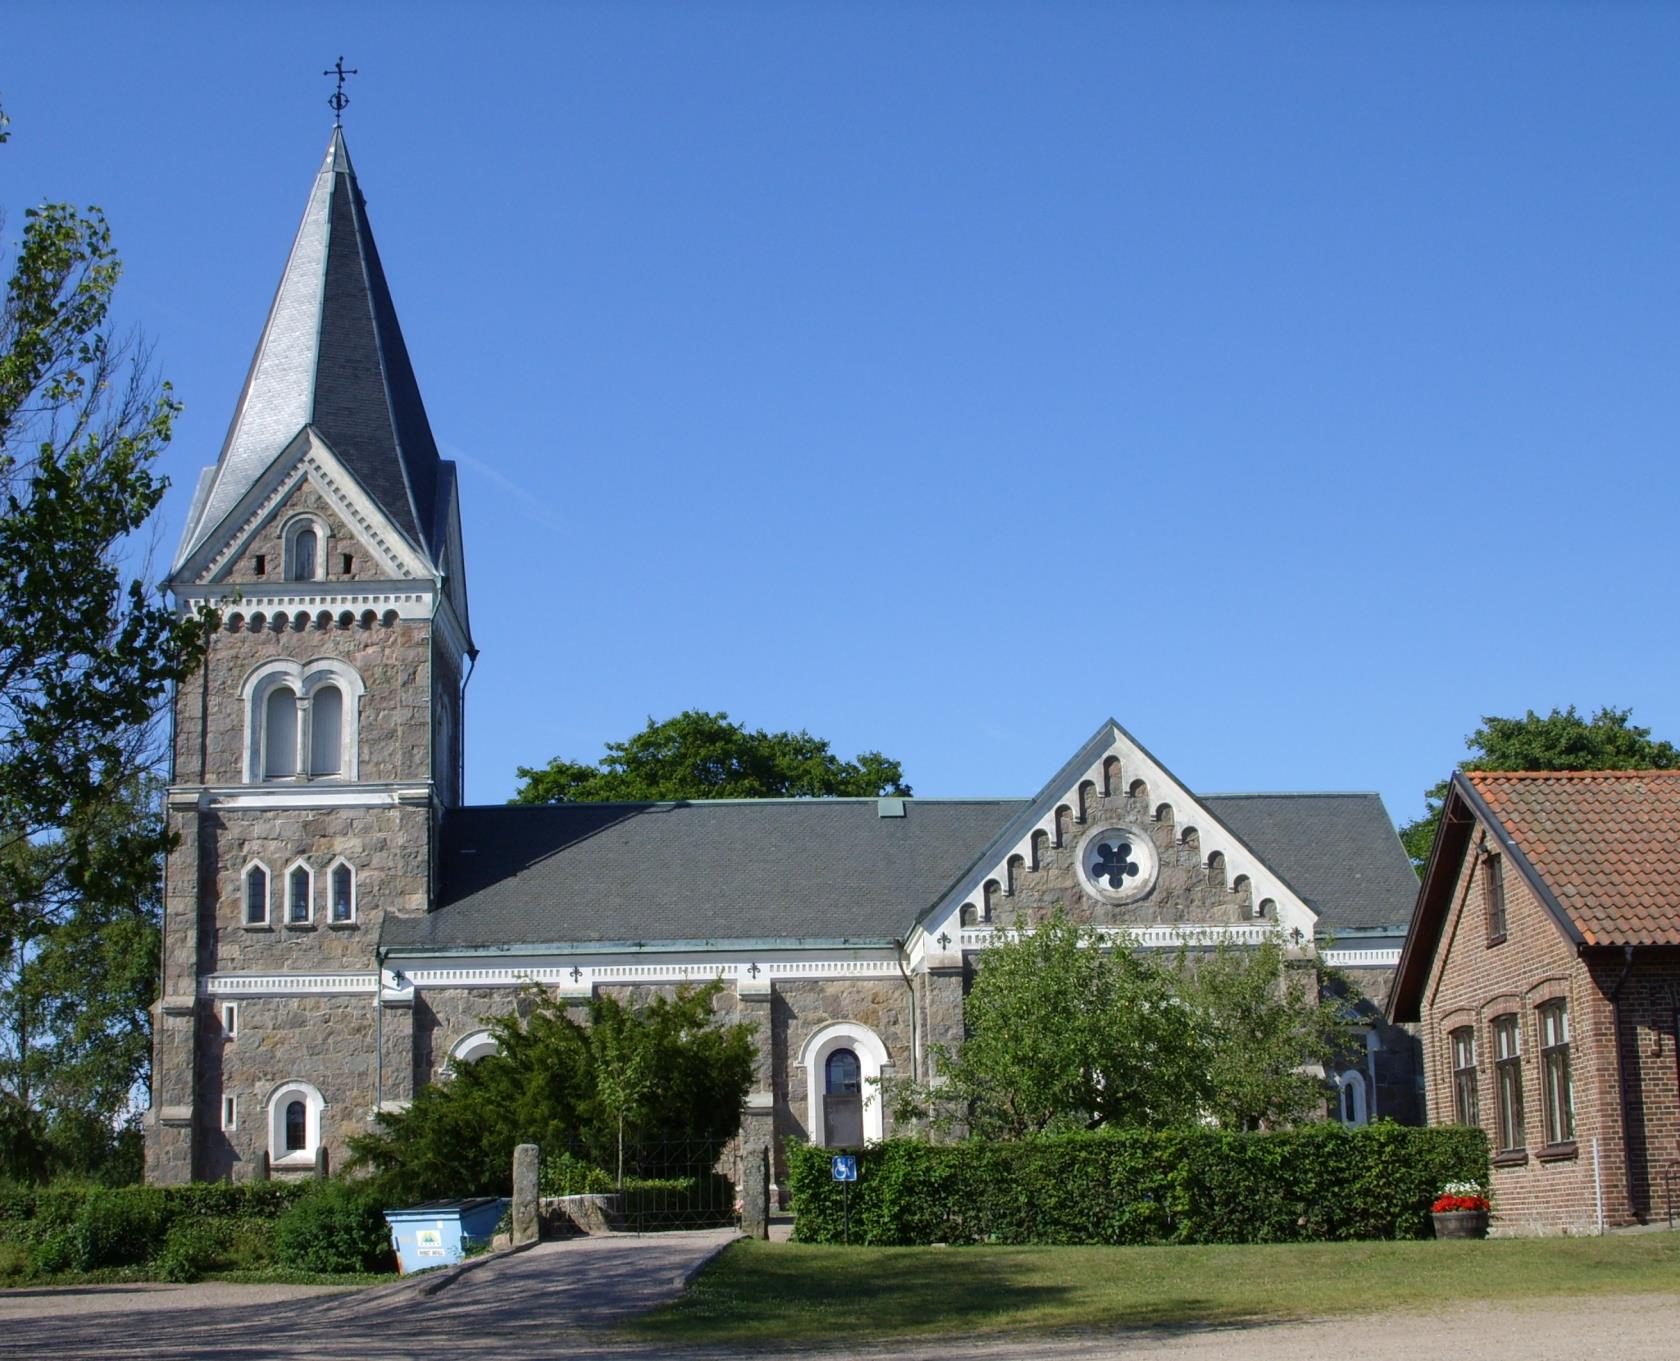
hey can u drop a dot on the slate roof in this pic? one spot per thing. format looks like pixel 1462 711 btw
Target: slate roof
pixel 332 356
pixel 811 869
pixel 818 869
pixel 1338 851
pixel 1606 843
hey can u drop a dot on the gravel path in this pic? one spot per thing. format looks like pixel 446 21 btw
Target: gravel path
pixel 561 1300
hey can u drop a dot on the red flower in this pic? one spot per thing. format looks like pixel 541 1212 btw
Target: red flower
pixel 1448 1204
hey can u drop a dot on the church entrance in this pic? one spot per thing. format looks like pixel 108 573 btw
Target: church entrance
pixel 843 1101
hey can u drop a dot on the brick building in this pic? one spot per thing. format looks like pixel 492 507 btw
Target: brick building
pixel 337 925
pixel 1543 961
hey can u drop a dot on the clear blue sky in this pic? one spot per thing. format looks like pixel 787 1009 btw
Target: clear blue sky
pixel 1295 383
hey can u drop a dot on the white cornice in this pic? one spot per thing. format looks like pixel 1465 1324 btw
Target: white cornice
pixel 277 794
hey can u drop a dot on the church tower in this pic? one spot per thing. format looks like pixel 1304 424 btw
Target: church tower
pixel 318 747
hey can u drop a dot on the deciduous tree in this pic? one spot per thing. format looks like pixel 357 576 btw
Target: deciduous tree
pixel 699 755
pixel 1560 740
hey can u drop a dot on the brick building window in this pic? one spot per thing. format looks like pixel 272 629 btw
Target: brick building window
pixel 1466 1108
pixel 1493 896
pixel 1554 1066
pixel 1507 1064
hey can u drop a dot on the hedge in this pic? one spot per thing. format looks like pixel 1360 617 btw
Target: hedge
pixel 1319 1182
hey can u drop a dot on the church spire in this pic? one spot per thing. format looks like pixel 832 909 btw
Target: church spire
pixel 332 356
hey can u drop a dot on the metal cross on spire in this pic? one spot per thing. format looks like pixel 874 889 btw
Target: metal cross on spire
pixel 338 101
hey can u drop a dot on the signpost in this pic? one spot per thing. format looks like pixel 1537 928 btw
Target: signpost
pixel 843 1168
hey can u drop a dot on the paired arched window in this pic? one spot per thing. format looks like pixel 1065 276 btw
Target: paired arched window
pixel 301 720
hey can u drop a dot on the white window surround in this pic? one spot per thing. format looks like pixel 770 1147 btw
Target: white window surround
pixel 333 919
pixel 479 1044
pixel 230 1112
pixel 289 536
pixel 230 1020
pixel 245 895
pixel 1351 1085
pixel 872 1060
pixel 278 1100
pixel 303 679
pixel 291 898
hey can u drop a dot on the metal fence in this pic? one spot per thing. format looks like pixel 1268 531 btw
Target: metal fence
pixel 664 1184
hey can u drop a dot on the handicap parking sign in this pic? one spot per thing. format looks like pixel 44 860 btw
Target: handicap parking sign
pixel 844 1167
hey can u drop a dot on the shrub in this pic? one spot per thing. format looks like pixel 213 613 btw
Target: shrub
pixel 339 1226
pixel 1136 1186
pixel 120 1227
pixel 190 1248
pixel 566 1174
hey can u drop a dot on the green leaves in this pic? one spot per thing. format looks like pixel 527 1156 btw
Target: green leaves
pixel 699 755
pixel 1561 740
pixel 1139 1040
pixel 669 1069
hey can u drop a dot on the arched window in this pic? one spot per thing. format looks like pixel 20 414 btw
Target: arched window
pixel 1351 1098
pixel 304 549
pixel 301 718
pixel 280 727
pixel 300 895
pixel 256 896
pixel 341 885
pixel 843 1101
pixel 294 1124
pixel 480 1044
pixel 842 1062
pixel 326 731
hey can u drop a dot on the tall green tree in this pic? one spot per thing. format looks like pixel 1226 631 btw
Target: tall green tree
pixel 699 755
pixel 87 654
pixel 1560 740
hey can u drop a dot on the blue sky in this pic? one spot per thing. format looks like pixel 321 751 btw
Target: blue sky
pixel 1295 383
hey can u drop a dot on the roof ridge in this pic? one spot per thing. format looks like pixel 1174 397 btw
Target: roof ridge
pixel 1293 794
pixel 1643 773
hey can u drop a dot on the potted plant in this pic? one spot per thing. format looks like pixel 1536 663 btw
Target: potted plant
pixel 1460 1211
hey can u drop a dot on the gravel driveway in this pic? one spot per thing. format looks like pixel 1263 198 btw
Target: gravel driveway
pixel 559 1300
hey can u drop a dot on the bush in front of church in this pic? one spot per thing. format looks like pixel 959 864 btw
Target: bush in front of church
pixel 1315 1183
pixel 668 1074
pixel 339 1226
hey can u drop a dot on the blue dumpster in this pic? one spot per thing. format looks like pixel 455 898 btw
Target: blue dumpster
pixel 439 1232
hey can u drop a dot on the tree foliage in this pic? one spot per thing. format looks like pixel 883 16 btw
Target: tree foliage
pixel 87 654
pixel 1560 740
pixel 665 1071
pixel 699 755
pixel 1063 1033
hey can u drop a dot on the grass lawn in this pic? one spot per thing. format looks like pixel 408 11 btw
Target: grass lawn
pixel 788 1292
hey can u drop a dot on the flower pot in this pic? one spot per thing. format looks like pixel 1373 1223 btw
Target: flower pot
pixel 1460 1223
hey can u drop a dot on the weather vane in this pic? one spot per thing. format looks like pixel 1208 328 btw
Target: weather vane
pixel 338 101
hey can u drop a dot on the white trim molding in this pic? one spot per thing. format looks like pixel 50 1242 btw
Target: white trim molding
pixel 278 1101
pixel 873 1061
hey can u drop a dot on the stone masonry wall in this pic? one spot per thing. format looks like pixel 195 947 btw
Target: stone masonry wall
pixel 1186 889
pixel 1535 1189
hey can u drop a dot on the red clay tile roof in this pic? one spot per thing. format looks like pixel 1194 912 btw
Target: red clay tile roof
pixel 1606 842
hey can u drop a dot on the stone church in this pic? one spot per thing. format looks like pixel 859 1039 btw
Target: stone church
pixel 338 924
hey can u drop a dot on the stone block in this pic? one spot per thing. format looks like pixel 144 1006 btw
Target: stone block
pixel 526 1220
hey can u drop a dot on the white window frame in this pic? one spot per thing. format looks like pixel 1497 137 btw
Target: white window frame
pixel 470 1048
pixel 313 1104
pixel 289 536
pixel 245 895
pixel 230 1112
pixel 332 873
pixel 303 679
pixel 873 1062
pixel 230 1020
pixel 1352 1082
pixel 292 869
